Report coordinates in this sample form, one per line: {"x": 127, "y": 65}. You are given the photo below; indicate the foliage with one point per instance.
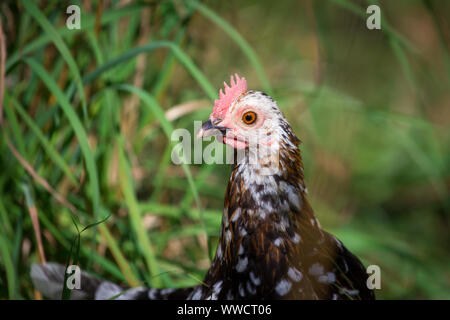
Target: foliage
{"x": 88, "y": 114}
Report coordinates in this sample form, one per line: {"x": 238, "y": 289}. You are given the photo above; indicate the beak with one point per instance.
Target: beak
{"x": 208, "y": 129}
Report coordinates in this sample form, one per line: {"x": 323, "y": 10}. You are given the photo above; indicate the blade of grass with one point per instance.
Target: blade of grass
{"x": 78, "y": 129}
{"x": 6, "y": 223}
{"x": 136, "y": 215}
{"x": 14, "y": 126}
{"x": 182, "y": 57}
{"x": 44, "y": 183}
{"x": 17, "y": 245}
{"x": 63, "y": 49}
{"x": 151, "y": 103}
{"x": 2, "y": 68}
{"x": 56, "y": 157}
{"x": 34, "y": 220}
{"x": 105, "y": 263}
{"x": 212, "y": 217}
{"x": 166, "y": 72}
{"x": 120, "y": 259}
{"x": 161, "y": 174}
{"x": 88, "y": 23}
{"x": 168, "y": 129}
{"x": 9, "y": 267}
{"x": 238, "y": 39}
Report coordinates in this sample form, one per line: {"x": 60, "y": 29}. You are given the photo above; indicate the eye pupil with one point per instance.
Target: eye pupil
{"x": 249, "y": 117}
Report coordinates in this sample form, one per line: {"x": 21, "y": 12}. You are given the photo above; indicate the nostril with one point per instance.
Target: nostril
{"x": 216, "y": 121}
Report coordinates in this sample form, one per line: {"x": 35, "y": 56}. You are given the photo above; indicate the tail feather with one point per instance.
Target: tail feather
{"x": 49, "y": 278}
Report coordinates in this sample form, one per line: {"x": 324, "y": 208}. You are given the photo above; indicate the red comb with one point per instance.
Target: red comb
{"x": 236, "y": 88}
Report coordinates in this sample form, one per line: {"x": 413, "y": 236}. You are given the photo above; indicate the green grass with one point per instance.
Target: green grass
{"x": 85, "y": 133}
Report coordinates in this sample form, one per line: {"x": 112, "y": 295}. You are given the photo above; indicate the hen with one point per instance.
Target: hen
{"x": 271, "y": 245}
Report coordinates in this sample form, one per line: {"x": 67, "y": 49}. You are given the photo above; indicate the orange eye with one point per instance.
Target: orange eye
{"x": 249, "y": 117}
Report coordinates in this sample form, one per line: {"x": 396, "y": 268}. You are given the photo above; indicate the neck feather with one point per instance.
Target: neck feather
{"x": 267, "y": 198}
{"x": 262, "y": 228}
{"x": 270, "y": 180}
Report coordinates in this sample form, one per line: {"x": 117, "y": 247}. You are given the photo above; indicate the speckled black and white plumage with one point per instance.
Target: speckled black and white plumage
{"x": 271, "y": 245}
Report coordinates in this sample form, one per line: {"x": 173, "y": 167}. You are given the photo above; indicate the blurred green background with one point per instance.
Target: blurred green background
{"x": 87, "y": 113}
